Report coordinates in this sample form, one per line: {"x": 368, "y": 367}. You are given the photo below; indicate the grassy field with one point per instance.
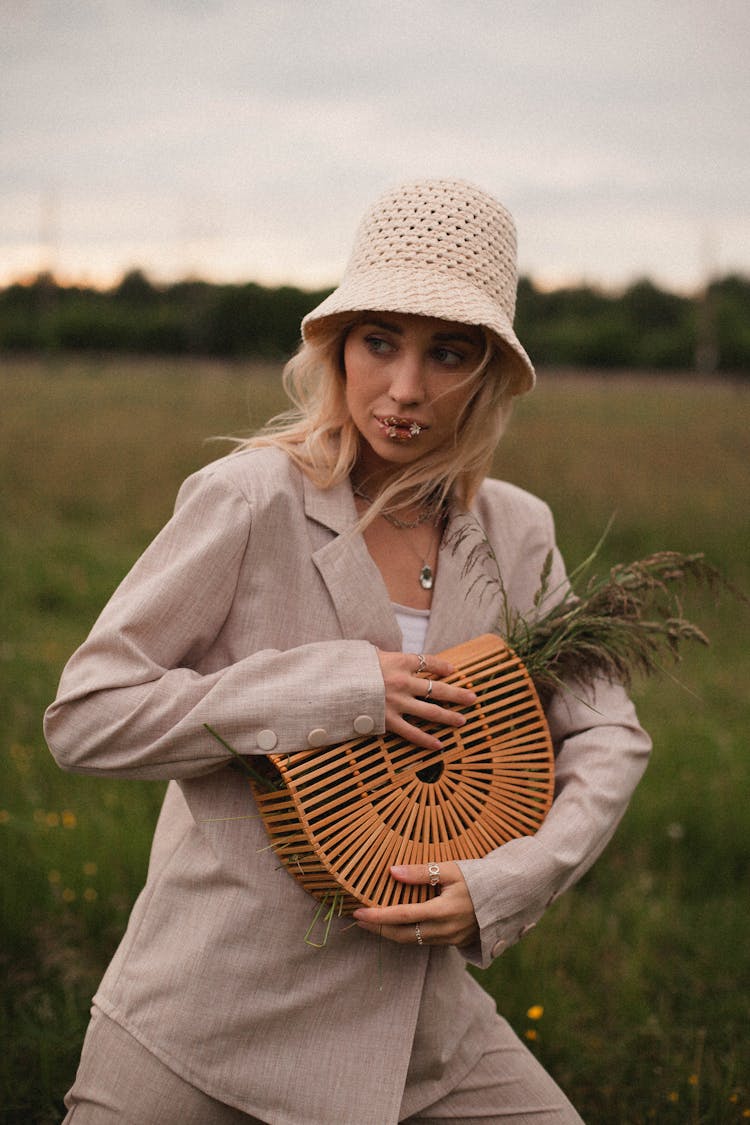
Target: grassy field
{"x": 634, "y": 989}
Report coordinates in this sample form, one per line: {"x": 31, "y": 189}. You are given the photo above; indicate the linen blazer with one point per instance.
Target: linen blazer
{"x": 258, "y": 610}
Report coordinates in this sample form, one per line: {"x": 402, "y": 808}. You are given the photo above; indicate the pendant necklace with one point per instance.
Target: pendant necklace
{"x": 426, "y": 573}
{"x": 425, "y": 576}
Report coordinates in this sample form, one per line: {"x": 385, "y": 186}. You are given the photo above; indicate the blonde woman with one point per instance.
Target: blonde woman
{"x": 297, "y": 599}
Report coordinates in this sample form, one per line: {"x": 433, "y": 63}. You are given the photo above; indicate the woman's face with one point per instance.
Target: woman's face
{"x": 407, "y": 382}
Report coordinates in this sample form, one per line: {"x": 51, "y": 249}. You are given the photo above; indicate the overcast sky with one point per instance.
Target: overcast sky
{"x": 241, "y": 139}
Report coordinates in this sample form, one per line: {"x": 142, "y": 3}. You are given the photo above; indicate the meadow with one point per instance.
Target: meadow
{"x": 634, "y": 988}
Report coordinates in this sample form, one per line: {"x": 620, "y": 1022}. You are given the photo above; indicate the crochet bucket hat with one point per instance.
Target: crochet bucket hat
{"x": 437, "y": 248}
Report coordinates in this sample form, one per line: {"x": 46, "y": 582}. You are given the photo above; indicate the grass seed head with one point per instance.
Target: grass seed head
{"x": 615, "y": 626}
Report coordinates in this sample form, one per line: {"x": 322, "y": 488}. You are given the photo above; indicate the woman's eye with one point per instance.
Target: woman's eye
{"x": 448, "y": 357}
{"x": 378, "y": 345}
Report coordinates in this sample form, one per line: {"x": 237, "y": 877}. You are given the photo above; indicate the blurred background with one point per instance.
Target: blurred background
{"x": 180, "y": 184}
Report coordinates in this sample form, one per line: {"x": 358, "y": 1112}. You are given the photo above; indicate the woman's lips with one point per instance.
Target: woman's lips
{"x": 400, "y": 429}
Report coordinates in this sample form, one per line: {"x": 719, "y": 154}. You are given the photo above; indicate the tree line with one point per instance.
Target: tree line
{"x": 642, "y": 327}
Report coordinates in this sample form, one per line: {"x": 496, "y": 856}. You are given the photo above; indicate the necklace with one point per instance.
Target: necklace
{"x": 403, "y": 525}
{"x": 426, "y": 572}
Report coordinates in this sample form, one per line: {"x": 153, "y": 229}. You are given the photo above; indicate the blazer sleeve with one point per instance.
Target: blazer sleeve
{"x": 601, "y": 752}
{"x": 131, "y": 702}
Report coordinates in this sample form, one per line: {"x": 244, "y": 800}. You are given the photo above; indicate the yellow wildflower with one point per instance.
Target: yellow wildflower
{"x": 68, "y": 895}
{"x": 69, "y": 819}
{"x": 535, "y": 1012}
{"x": 531, "y": 1033}
{"x": 54, "y": 877}
{"x": 90, "y": 894}
{"x": 90, "y": 868}
{"x": 21, "y": 756}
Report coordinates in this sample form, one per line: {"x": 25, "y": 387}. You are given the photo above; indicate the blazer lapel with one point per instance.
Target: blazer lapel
{"x": 465, "y": 599}
{"x": 353, "y": 581}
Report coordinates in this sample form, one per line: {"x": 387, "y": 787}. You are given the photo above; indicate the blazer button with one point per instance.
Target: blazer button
{"x": 266, "y": 739}
{"x": 526, "y": 929}
{"x": 364, "y": 724}
{"x": 317, "y": 737}
{"x": 498, "y": 948}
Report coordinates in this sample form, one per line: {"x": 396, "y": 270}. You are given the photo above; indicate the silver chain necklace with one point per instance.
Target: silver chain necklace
{"x": 426, "y": 573}
{"x": 403, "y": 525}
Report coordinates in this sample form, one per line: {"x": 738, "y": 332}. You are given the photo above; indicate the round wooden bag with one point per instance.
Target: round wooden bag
{"x": 342, "y": 815}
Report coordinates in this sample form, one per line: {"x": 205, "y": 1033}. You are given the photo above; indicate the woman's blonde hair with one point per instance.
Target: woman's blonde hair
{"x": 320, "y": 437}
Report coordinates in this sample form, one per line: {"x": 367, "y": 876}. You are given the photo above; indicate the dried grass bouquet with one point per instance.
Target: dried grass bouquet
{"x": 618, "y": 625}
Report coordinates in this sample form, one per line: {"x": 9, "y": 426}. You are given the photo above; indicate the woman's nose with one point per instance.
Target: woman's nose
{"x": 407, "y": 382}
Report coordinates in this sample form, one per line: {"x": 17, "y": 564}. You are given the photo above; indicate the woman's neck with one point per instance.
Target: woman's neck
{"x": 369, "y": 483}
{"x": 405, "y": 552}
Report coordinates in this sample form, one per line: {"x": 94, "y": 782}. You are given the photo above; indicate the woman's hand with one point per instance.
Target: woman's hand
{"x": 446, "y": 919}
{"x": 424, "y": 696}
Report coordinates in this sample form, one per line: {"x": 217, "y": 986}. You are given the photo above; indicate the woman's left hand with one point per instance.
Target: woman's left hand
{"x": 446, "y": 919}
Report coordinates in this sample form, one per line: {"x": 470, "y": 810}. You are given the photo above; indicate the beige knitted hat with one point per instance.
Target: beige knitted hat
{"x": 438, "y": 248}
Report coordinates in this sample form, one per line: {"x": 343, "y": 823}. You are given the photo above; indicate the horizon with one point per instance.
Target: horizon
{"x": 163, "y": 284}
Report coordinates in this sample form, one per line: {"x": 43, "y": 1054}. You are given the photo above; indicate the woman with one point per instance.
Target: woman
{"x": 301, "y": 586}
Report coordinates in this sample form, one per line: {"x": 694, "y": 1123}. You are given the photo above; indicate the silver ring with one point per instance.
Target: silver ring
{"x": 428, "y": 693}
{"x": 433, "y": 870}
{"x": 422, "y": 663}
{"x": 418, "y": 932}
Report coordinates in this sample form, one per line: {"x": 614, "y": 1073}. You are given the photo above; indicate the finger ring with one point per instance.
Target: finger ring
{"x": 428, "y": 693}
{"x": 418, "y": 932}
{"x": 422, "y": 663}
{"x": 433, "y": 870}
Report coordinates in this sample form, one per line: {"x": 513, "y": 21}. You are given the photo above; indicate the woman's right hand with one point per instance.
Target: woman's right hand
{"x": 409, "y": 694}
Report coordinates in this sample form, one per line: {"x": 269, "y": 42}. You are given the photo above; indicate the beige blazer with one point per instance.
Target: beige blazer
{"x": 257, "y": 610}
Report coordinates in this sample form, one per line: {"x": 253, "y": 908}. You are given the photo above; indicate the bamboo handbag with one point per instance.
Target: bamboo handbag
{"x": 339, "y": 817}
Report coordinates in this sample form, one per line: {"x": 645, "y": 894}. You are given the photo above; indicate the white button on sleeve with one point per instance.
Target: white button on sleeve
{"x": 364, "y": 724}
{"x": 266, "y": 739}
{"x": 317, "y": 737}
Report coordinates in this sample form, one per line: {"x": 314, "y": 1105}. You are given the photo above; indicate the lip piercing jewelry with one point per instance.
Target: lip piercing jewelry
{"x": 393, "y": 425}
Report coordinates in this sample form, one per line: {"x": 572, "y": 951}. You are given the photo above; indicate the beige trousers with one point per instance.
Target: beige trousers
{"x": 119, "y": 1082}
